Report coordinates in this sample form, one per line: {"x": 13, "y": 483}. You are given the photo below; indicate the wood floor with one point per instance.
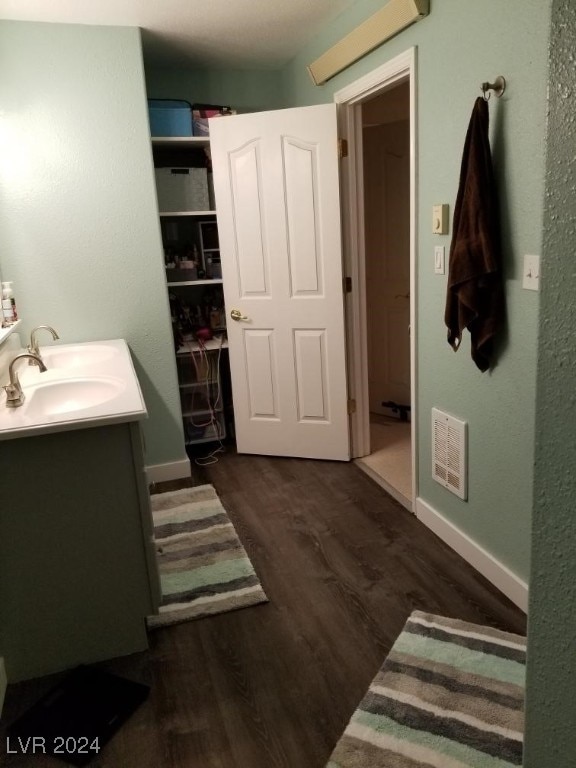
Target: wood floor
{"x": 274, "y": 686}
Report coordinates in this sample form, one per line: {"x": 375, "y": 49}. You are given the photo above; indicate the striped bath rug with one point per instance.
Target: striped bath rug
{"x": 449, "y": 695}
{"x": 204, "y": 569}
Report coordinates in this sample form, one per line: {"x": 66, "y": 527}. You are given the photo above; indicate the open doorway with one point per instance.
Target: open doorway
{"x": 377, "y": 117}
{"x": 385, "y": 120}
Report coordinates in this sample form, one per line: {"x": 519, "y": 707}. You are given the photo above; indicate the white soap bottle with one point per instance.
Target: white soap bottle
{"x": 9, "y": 313}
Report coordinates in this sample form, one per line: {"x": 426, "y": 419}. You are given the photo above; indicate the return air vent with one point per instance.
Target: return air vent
{"x": 449, "y": 464}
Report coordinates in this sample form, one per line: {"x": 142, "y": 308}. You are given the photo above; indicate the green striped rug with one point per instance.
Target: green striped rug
{"x": 449, "y": 695}
{"x": 204, "y": 569}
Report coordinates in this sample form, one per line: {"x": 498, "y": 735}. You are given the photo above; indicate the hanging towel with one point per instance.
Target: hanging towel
{"x": 475, "y": 297}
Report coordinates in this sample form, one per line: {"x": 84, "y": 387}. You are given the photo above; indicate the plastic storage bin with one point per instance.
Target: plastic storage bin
{"x": 169, "y": 117}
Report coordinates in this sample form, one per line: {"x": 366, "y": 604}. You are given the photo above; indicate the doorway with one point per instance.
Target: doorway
{"x": 377, "y": 118}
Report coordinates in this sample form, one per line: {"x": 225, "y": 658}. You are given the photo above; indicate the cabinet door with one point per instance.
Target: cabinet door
{"x": 146, "y": 515}
{"x": 277, "y": 197}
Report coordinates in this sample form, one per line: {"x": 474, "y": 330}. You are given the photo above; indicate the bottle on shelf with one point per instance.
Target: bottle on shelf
{"x": 9, "y": 312}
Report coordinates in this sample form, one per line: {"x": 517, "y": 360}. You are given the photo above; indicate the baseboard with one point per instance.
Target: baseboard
{"x": 3, "y": 684}
{"x": 174, "y": 470}
{"x": 492, "y": 569}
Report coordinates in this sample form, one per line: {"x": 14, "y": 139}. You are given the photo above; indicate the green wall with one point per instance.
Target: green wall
{"x": 244, "y": 90}
{"x": 551, "y": 692}
{"x": 79, "y": 231}
{"x": 461, "y": 44}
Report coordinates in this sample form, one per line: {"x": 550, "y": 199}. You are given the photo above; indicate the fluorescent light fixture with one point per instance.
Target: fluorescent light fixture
{"x": 384, "y": 24}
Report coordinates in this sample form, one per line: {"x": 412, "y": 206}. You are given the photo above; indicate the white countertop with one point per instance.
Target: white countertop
{"x": 111, "y": 367}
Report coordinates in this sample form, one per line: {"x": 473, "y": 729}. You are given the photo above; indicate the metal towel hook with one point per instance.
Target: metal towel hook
{"x": 498, "y": 86}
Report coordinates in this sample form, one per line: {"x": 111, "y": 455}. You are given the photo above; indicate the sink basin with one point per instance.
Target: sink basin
{"x": 76, "y": 356}
{"x": 71, "y": 395}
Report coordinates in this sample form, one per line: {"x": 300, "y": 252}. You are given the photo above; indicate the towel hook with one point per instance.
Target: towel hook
{"x": 498, "y": 86}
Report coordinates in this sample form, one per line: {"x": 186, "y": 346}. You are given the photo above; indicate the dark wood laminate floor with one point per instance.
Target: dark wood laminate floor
{"x": 273, "y": 686}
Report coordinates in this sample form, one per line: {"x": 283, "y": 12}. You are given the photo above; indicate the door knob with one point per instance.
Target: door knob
{"x": 235, "y": 314}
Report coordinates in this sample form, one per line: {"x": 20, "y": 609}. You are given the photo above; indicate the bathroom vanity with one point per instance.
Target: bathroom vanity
{"x": 78, "y": 572}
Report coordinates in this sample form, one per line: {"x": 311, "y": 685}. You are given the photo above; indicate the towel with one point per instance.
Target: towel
{"x": 475, "y": 296}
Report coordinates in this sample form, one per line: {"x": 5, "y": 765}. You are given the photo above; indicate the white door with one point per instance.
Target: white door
{"x": 387, "y": 239}
{"x": 277, "y": 197}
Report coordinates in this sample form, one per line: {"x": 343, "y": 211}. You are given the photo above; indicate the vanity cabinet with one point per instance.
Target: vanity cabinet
{"x": 195, "y": 290}
{"x": 78, "y": 573}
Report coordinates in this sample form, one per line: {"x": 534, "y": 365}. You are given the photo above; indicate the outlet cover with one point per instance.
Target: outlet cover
{"x": 531, "y": 274}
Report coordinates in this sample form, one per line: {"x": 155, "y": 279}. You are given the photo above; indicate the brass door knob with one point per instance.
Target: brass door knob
{"x": 235, "y": 314}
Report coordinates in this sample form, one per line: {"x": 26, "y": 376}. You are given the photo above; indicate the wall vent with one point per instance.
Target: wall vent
{"x": 449, "y": 459}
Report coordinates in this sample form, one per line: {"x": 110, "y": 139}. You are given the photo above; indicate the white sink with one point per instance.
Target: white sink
{"x": 85, "y": 385}
{"x": 71, "y": 395}
{"x": 77, "y": 355}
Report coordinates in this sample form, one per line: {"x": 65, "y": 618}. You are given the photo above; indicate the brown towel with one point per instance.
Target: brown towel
{"x": 475, "y": 298}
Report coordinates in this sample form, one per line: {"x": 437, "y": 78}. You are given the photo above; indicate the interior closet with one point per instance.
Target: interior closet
{"x": 386, "y": 172}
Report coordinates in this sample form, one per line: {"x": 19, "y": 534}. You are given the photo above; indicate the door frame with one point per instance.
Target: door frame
{"x": 349, "y": 100}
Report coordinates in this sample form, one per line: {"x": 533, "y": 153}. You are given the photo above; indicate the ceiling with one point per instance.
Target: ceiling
{"x": 240, "y": 34}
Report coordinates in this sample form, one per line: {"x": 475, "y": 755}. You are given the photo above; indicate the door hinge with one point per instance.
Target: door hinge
{"x": 342, "y": 148}
{"x": 351, "y": 405}
{"x": 347, "y": 281}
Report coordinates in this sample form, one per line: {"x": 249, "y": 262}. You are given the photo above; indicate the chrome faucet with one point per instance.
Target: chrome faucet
{"x": 33, "y": 346}
{"x": 14, "y": 394}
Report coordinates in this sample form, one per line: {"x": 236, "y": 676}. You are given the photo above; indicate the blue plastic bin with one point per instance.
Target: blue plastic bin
{"x": 170, "y": 117}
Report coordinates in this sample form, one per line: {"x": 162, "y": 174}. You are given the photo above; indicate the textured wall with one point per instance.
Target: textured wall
{"x": 79, "y": 232}
{"x": 461, "y": 44}
{"x": 551, "y": 697}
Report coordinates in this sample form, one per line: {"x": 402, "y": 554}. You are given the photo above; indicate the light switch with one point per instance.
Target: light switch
{"x": 440, "y": 219}
{"x": 439, "y": 256}
{"x": 531, "y": 275}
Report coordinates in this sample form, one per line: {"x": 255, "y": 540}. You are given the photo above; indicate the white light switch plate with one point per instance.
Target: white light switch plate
{"x": 531, "y": 274}
{"x": 439, "y": 259}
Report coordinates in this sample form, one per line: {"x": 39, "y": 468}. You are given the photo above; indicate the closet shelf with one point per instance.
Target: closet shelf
{"x": 187, "y": 213}
{"x": 176, "y": 283}
{"x": 193, "y": 346}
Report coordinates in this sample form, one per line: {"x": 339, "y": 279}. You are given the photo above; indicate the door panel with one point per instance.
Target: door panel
{"x": 277, "y": 197}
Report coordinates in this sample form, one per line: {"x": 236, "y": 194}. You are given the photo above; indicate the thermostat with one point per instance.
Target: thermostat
{"x": 440, "y": 219}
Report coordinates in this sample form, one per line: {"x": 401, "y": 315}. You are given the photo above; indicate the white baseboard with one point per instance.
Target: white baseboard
{"x": 174, "y": 470}
{"x": 502, "y": 577}
{"x": 3, "y": 684}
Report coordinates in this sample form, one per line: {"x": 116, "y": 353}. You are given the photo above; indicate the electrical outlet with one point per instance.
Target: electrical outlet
{"x": 531, "y": 274}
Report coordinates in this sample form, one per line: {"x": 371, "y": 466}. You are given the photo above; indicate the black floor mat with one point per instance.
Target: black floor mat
{"x": 74, "y": 720}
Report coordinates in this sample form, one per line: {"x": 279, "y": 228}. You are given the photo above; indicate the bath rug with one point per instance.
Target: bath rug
{"x": 204, "y": 569}
{"x": 449, "y": 695}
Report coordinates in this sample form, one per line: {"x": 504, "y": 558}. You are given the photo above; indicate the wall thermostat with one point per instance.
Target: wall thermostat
{"x": 440, "y": 219}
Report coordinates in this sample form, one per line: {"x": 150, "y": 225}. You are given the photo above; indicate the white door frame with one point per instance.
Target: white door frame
{"x": 349, "y": 99}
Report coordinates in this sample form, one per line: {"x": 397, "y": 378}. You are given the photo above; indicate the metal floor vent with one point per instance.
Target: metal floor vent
{"x": 449, "y": 459}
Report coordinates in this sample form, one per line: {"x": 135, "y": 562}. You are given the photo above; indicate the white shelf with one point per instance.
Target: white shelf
{"x": 197, "y": 384}
{"x": 187, "y": 213}
{"x": 202, "y": 412}
{"x": 190, "y": 142}
{"x": 5, "y": 332}
{"x": 193, "y": 346}
{"x": 175, "y": 283}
